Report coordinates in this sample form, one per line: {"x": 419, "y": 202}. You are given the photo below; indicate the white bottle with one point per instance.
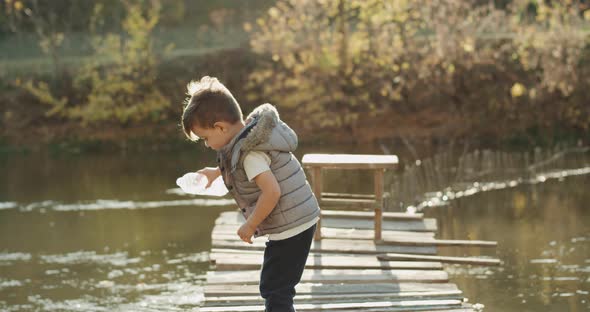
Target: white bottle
{"x": 195, "y": 183}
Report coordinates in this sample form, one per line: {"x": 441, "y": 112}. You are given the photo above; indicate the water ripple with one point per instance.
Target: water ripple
{"x": 102, "y": 204}
{"x": 8, "y": 205}
{"x": 442, "y": 198}
{"x": 14, "y": 256}
{"x": 116, "y": 259}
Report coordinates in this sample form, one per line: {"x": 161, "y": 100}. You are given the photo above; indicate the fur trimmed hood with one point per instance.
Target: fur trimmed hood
{"x": 264, "y": 131}
{"x": 269, "y": 133}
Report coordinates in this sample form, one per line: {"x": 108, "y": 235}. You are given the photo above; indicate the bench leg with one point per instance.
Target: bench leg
{"x": 378, "y": 203}
{"x": 317, "y": 190}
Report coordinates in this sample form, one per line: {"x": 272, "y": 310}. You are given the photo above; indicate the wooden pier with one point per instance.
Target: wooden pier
{"x": 362, "y": 259}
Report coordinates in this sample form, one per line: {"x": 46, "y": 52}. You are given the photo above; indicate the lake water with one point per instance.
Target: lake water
{"x": 111, "y": 231}
{"x": 543, "y": 235}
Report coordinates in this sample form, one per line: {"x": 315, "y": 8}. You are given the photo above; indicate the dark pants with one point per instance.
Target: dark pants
{"x": 284, "y": 261}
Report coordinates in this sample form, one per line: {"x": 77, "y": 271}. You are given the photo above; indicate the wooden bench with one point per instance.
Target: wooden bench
{"x": 316, "y": 163}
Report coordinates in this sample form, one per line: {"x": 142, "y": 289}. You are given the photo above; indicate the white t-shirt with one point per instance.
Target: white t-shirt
{"x": 255, "y": 163}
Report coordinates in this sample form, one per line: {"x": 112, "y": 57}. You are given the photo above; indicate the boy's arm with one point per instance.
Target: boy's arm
{"x": 269, "y": 197}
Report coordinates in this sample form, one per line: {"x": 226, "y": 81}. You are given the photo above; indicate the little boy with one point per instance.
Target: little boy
{"x": 268, "y": 183}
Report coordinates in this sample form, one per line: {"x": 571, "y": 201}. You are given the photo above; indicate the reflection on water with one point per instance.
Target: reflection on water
{"x": 543, "y": 234}
{"x": 112, "y": 232}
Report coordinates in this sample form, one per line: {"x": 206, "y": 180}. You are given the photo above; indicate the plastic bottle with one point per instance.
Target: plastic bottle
{"x": 195, "y": 183}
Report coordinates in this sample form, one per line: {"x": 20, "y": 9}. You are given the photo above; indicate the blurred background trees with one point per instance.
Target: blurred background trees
{"x": 118, "y": 82}
{"x": 492, "y": 71}
{"x": 481, "y": 65}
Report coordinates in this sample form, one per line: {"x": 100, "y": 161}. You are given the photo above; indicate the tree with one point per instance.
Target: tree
{"x": 338, "y": 62}
{"x": 359, "y": 57}
{"x": 119, "y": 81}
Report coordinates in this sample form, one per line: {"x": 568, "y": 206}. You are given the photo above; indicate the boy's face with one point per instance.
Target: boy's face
{"x": 214, "y": 138}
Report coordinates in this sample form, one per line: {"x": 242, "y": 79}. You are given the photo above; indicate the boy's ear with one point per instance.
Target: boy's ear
{"x": 221, "y": 125}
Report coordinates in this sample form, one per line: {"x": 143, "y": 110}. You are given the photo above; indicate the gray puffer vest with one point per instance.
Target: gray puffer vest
{"x": 267, "y": 133}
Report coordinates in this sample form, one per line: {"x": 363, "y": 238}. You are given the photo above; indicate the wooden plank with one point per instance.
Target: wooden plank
{"x": 331, "y": 289}
{"x": 224, "y": 229}
{"x": 406, "y": 305}
{"x": 333, "y": 246}
{"x": 319, "y": 298}
{"x": 439, "y": 308}
{"x": 348, "y": 203}
{"x": 348, "y": 195}
{"x": 368, "y": 234}
{"x": 259, "y": 252}
{"x": 424, "y": 225}
{"x": 349, "y": 161}
{"x": 370, "y": 214}
{"x": 401, "y": 241}
{"x": 230, "y": 217}
{"x": 457, "y": 310}
{"x": 229, "y": 261}
{"x": 460, "y": 260}
{"x": 335, "y": 276}
{"x": 413, "y": 309}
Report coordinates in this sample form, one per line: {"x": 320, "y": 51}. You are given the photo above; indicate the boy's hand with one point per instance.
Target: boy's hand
{"x": 211, "y": 174}
{"x": 246, "y": 231}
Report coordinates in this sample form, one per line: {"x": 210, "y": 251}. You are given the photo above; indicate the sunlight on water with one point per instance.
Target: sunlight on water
{"x": 444, "y": 197}
{"x": 105, "y": 280}
{"x": 8, "y": 205}
{"x": 102, "y": 204}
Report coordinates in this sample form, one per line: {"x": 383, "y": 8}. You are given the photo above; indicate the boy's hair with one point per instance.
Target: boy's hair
{"x": 209, "y": 101}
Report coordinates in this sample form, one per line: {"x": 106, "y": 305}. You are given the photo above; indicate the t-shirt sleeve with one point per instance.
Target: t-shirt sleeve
{"x": 255, "y": 163}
